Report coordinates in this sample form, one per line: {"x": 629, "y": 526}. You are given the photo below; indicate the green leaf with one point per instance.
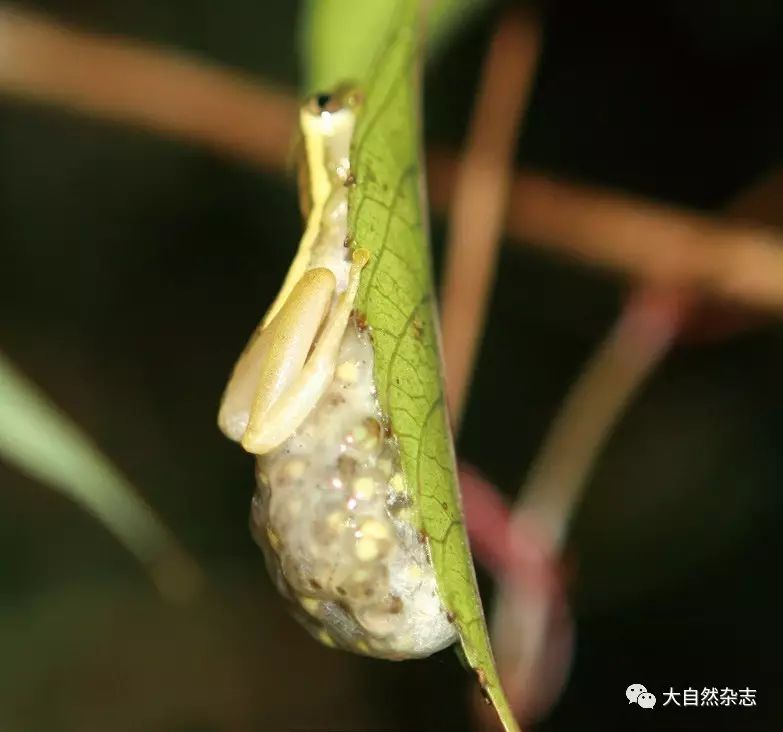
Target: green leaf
{"x": 44, "y": 443}
{"x": 387, "y": 216}
{"x": 339, "y": 38}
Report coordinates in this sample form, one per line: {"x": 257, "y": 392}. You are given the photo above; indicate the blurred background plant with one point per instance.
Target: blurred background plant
{"x": 135, "y": 264}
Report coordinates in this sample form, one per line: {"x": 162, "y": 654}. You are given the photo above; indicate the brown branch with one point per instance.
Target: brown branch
{"x": 181, "y": 97}
{"x": 660, "y": 244}
{"x": 478, "y": 205}
{"x": 146, "y": 87}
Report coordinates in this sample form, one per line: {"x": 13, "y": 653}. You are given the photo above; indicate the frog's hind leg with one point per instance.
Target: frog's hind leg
{"x": 276, "y": 353}
{"x": 271, "y": 424}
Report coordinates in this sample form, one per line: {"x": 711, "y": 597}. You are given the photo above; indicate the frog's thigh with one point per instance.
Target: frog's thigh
{"x": 283, "y": 417}
{"x": 276, "y": 354}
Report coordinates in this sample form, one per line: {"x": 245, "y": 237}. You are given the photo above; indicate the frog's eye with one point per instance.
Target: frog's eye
{"x": 324, "y": 103}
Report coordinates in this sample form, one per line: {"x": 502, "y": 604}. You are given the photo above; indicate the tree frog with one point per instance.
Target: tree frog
{"x": 332, "y": 511}
{"x": 290, "y": 359}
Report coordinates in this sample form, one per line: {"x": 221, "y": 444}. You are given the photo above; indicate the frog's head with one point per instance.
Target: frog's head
{"x": 326, "y": 123}
{"x": 345, "y": 97}
{"x": 330, "y": 114}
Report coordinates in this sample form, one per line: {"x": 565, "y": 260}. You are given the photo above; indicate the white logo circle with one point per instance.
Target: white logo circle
{"x": 646, "y": 700}
{"x": 633, "y": 691}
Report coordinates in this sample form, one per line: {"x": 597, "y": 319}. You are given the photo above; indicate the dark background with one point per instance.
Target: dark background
{"x": 133, "y": 268}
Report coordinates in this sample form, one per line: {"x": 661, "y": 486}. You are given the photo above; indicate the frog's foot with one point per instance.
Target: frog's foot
{"x": 282, "y": 404}
{"x": 276, "y": 352}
